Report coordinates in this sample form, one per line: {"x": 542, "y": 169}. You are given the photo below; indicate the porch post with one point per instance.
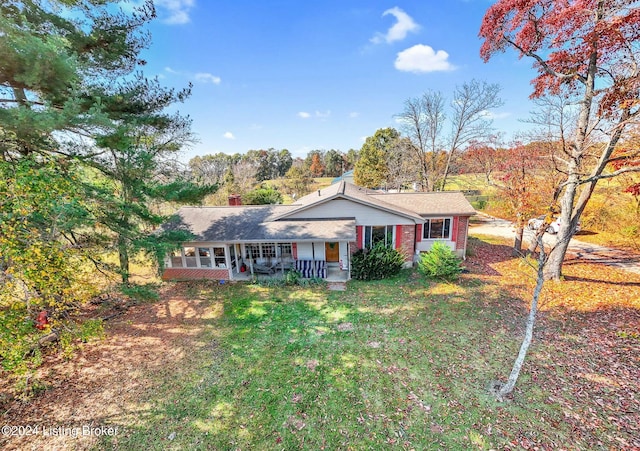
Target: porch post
{"x": 250, "y": 260}
{"x": 348, "y": 260}
{"x": 313, "y": 259}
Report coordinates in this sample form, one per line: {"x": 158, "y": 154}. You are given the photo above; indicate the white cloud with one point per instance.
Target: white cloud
{"x": 177, "y": 11}
{"x": 203, "y": 77}
{"x": 422, "y": 58}
{"x": 399, "y": 30}
{"x": 229, "y": 135}
{"x": 495, "y": 115}
{"x": 354, "y": 114}
{"x": 318, "y": 114}
{"x": 207, "y": 78}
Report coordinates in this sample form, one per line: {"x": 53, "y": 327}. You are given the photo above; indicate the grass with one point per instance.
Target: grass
{"x": 397, "y": 363}
{"x": 307, "y": 368}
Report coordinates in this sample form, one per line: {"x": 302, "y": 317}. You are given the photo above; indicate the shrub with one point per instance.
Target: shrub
{"x": 376, "y": 263}
{"x": 440, "y": 262}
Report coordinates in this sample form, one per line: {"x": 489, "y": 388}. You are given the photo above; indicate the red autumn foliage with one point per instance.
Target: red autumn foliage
{"x": 570, "y": 35}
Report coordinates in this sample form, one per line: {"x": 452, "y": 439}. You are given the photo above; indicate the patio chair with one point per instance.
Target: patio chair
{"x": 264, "y": 269}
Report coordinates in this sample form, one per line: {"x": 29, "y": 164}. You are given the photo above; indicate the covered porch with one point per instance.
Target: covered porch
{"x": 329, "y": 260}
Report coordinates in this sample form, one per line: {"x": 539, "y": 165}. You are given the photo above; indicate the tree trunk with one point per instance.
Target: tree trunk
{"x": 508, "y": 387}
{"x": 517, "y": 245}
{"x": 123, "y": 254}
{"x": 553, "y": 269}
{"x": 446, "y": 170}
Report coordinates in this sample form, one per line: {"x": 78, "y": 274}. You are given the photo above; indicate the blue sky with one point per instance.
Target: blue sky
{"x": 320, "y": 75}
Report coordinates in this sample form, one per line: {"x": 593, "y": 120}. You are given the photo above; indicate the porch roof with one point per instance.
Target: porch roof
{"x": 254, "y": 223}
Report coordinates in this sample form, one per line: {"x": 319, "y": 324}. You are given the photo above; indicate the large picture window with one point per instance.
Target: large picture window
{"x": 437, "y": 229}
{"x": 376, "y": 234}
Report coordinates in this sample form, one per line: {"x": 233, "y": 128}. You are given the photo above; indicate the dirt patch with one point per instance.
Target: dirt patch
{"x": 107, "y": 383}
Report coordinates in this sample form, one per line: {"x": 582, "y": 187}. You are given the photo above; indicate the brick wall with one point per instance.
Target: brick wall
{"x": 195, "y": 274}
{"x": 461, "y": 237}
{"x": 405, "y": 240}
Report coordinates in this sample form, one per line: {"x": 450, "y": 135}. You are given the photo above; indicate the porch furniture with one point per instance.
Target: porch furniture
{"x": 264, "y": 269}
{"x": 312, "y": 268}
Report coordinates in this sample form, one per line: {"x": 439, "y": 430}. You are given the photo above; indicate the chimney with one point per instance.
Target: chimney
{"x": 235, "y": 200}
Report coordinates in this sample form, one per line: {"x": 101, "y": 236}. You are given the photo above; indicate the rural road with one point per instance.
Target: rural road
{"x": 484, "y": 224}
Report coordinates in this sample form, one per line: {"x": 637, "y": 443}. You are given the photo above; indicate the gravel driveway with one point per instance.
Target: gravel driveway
{"x": 484, "y": 224}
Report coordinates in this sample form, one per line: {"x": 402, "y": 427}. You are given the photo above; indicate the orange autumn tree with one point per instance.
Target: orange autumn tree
{"x": 316, "y": 168}
{"x": 586, "y": 52}
{"x": 522, "y": 185}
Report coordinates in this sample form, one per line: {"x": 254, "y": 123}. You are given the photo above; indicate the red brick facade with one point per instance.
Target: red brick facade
{"x": 195, "y": 274}
{"x": 405, "y": 240}
{"x": 461, "y": 233}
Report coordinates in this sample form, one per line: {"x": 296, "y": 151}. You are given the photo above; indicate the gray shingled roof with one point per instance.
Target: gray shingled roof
{"x": 253, "y": 223}
{"x": 430, "y": 204}
{"x": 269, "y": 222}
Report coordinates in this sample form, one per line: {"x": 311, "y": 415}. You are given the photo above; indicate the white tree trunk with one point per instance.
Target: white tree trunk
{"x": 508, "y": 387}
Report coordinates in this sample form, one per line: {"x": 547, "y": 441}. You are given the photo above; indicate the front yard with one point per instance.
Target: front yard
{"x": 392, "y": 364}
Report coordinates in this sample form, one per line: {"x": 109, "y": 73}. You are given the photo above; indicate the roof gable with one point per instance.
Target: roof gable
{"x": 409, "y": 205}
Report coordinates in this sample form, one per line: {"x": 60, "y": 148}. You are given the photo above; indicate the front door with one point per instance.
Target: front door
{"x": 332, "y": 252}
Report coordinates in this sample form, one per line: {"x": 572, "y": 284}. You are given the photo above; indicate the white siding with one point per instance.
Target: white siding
{"x": 307, "y": 252}
{"x": 344, "y": 254}
{"x": 342, "y": 208}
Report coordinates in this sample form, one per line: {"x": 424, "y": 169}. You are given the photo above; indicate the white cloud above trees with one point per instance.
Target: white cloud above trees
{"x": 207, "y": 78}
{"x": 201, "y": 77}
{"x": 422, "y": 58}
{"x": 399, "y": 30}
{"x": 318, "y": 114}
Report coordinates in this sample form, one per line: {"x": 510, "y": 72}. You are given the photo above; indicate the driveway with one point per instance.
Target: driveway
{"x": 484, "y": 224}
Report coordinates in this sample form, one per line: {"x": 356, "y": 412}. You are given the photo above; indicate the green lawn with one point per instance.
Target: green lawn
{"x": 404, "y": 364}
{"x": 400, "y": 363}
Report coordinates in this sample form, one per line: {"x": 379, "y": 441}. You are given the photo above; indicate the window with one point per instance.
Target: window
{"x": 205, "y": 257}
{"x": 190, "y": 257}
{"x": 176, "y": 259}
{"x": 268, "y": 250}
{"x": 219, "y": 257}
{"x": 376, "y": 234}
{"x": 252, "y": 251}
{"x": 285, "y": 249}
{"x": 437, "y": 229}
{"x": 264, "y": 251}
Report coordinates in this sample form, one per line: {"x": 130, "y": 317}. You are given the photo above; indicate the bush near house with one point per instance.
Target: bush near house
{"x": 440, "y": 263}
{"x": 379, "y": 262}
